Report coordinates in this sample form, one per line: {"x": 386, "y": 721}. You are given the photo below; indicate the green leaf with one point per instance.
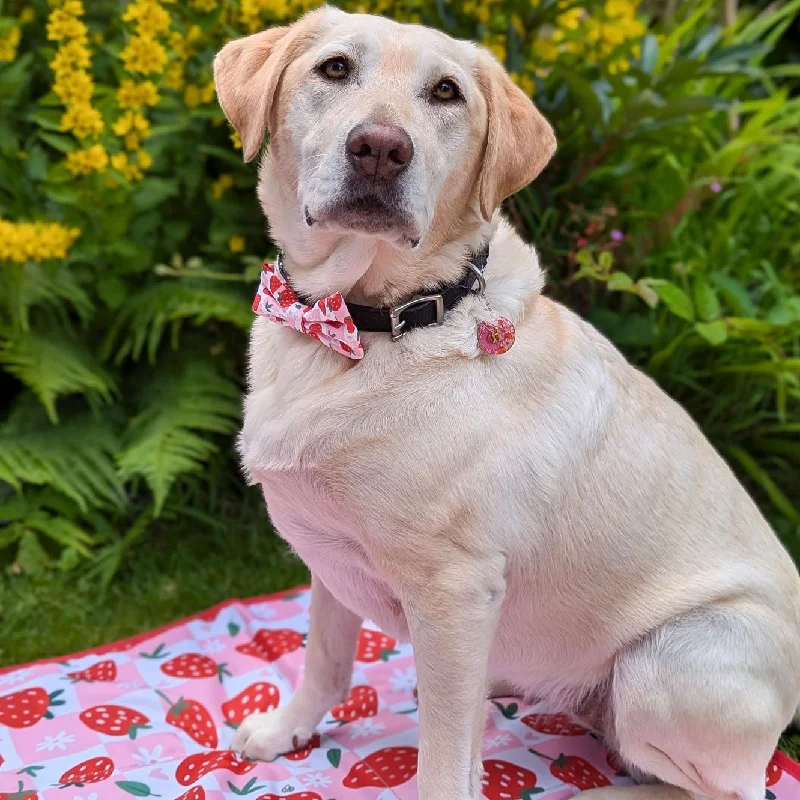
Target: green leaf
{"x": 735, "y": 294}
{"x": 170, "y": 436}
{"x": 334, "y": 757}
{"x": 675, "y": 299}
{"x": 705, "y": 299}
{"x": 153, "y": 192}
{"x": 53, "y": 365}
{"x": 584, "y": 96}
{"x": 64, "y": 144}
{"x": 74, "y": 457}
{"x": 31, "y": 556}
{"x": 135, "y": 788}
{"x": 763, "y": 479}
{"x": 233, "y": 629}
{"x": 713, "y": 332}
{"x": 112, "y": 290}
{"x": 620, "y": 282}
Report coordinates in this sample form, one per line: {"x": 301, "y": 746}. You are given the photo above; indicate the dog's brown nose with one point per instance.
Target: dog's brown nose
{"x": 378, "y": 150}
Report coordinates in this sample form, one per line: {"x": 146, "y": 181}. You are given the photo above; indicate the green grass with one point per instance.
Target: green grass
{"x": 180, "y": 569}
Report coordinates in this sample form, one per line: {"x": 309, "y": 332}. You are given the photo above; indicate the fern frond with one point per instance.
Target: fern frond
{"x": 170, "y": 437}
{"x": 75, "y": 457}
{"x": 53, "y": 365}
{"x": 50, "y": 286}
{"x": 143, "y": 319}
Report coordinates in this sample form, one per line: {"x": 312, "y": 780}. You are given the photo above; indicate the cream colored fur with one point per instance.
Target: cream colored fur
{"x": 549, "y": 518}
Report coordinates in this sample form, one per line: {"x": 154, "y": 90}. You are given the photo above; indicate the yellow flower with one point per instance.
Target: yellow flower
{"x": 132, "y": 122}
{"x": 545, "y": 50}
{"x": 27, "y": 15}
{"x": 207, "y": 93}
{"x": 9, "y": 44}
{"x": 63, "y": 23}
{"x": 73, "y": 55}
{"x": 498, "y": 47}
{"x": 84, "y": 162}
{"x": 525, "y": 82}
{"x": 132, "y": 140}
{"x": 35, "y": 241}
{"x": 221, "y": 185}
{"x": 135, "y": 95}
{"x": 191, "y": 95}
{"x": 144, "y": 159}
{"x": 570, "y": 20}
{"x": 174, "y": 78}
{"x": 82, "y": 120}
{"x": 236, "y": 244}
{"x": 236, "y": 139}
{"x": 73, "y": 87}
{"x": 128, "y": 169}
{"x": 204, "y": 5}
{"x": 150, "y": 18}
{"x": 144, "y": 54}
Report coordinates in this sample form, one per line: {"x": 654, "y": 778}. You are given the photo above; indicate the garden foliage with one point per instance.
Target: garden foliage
{"x": 130, "y": 240}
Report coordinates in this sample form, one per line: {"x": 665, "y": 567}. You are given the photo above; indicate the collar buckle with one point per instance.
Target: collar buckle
{"x": 398, "y": 325}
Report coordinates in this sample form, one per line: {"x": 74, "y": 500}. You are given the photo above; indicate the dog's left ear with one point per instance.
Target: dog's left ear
{"x": 247, "y": 73}
{"x": 519, "y": 140}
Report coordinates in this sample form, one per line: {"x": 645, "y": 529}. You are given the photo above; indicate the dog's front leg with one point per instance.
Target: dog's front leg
{"x": 452, "y": 614}
{"x": 332, "y": 638}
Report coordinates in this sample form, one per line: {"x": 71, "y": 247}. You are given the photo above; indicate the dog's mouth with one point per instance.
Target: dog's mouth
{"x": 368, "y": 213}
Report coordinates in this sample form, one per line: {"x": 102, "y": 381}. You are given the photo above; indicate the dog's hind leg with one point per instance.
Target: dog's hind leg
{"x": 700, "y": 702}
{"x": 330, "y": 653}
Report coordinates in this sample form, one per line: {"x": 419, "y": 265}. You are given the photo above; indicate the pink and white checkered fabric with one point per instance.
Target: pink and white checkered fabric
{"x": 154, "y": 716}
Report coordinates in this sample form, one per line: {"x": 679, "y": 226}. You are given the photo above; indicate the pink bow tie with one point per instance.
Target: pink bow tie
{"x": 328, "y": 320}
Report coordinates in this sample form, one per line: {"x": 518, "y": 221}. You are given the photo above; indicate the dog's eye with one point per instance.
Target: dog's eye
{"x": 445, "y": 91}
{"x": 336, "y": 69}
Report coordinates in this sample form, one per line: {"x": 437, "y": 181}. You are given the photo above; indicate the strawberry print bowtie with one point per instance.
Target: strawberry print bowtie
{"x": 328, "y": 320}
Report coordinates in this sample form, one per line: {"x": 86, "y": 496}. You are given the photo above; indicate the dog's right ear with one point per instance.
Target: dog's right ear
{"x": 247, "y": 73}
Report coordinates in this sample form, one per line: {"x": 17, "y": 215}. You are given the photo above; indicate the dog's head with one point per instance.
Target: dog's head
{"x": 377, "y": 127}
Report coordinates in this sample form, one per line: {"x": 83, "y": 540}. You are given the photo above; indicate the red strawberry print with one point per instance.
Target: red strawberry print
{"x": 192, "y": 768}
{"x": 287, "y": 298}
{"x": 257, "y": 698}
{"x": 195, "y": 793}
{"x": 193, "y": 719}
{"x": 374, "y": 646}
{"x": 314, "y": 329}
{"x": 349, "y": 324}
{"x": 335, "y": 302}
{"x": 101, "y": 671}
{"x": 194, "y": 665}
{"x": 92, "y": 771}
{"x": 256, "y": 301}
{"x": 505, "y": 781}
{"x": 575, "y": 771}
{"x": 114, "y": 720}
{"x": 274, "y": 283}
{"x": 321, "y": 305}
{"x": 25, "y": 708}
{"x": 361, "y": 702}
{"x": 302, "y": 753}
{"x": 384, "y": 768}
{"x": 553, "y": 724}
{"x": 295, "y": 796}
{"x": 270, "y": 645}
{"x": 615, "y": 763}
{"x": 21, "y": 794}
{"x": 774, "y": 773}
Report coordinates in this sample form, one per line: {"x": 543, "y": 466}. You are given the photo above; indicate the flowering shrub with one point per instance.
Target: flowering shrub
{"x": 130, "y": 238}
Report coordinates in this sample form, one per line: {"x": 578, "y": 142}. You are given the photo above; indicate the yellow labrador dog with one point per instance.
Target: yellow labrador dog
{"x": 546, "y": 519}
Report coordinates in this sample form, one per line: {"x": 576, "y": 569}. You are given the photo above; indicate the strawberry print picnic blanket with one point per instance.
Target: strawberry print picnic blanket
{"x": 153, "y": 716}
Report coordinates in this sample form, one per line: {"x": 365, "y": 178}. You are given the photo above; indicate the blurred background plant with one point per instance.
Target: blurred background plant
{"x": 130, "y": 243}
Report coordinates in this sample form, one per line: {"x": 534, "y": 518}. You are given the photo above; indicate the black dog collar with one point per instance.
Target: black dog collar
{"x": 420, "y": 310}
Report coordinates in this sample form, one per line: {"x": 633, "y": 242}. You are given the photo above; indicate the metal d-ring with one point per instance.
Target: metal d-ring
{"x": 481, "y": 290}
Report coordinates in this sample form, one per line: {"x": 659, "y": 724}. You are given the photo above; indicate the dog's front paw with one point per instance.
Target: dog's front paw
{"x": 266, "y": 736}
